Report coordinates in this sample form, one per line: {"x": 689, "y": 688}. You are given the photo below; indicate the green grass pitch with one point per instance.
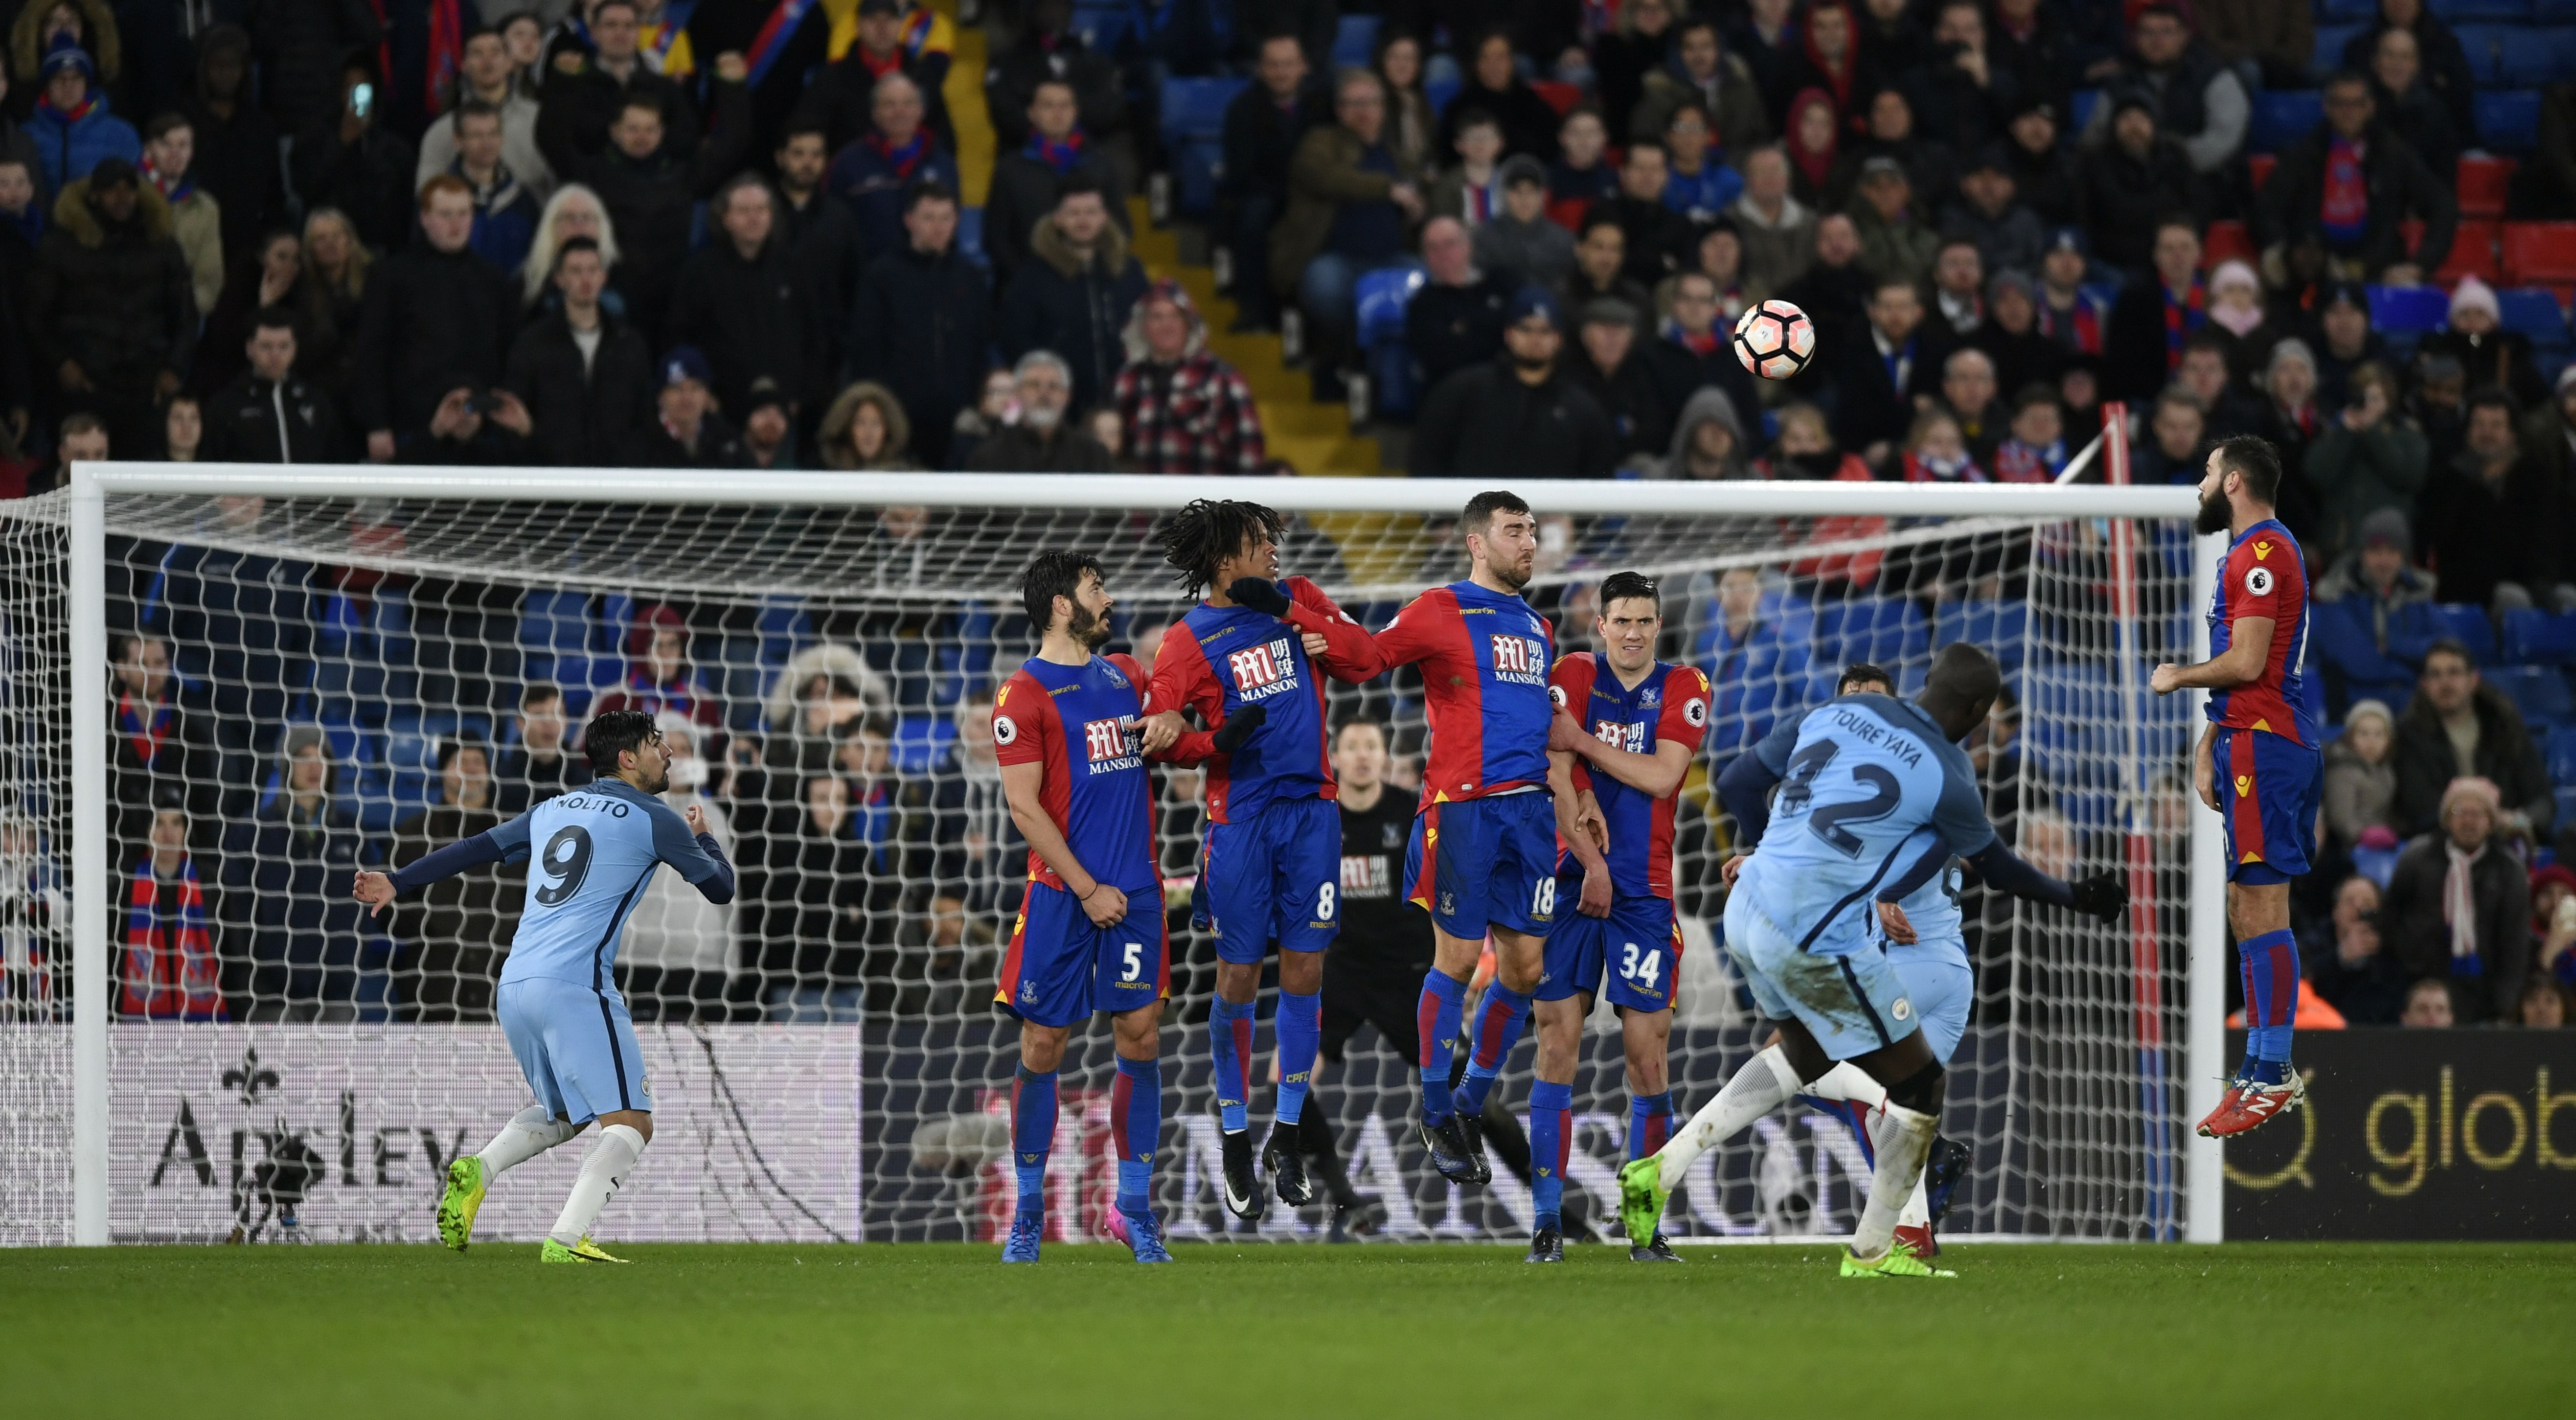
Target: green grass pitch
{"x": 2269, "y": 1331}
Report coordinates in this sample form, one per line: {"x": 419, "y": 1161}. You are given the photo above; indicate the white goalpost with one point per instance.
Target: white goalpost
{"x": 826, "y": 1055}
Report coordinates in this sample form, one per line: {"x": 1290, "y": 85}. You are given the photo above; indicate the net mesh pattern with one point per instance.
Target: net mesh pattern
{"x": 302, "y": 688}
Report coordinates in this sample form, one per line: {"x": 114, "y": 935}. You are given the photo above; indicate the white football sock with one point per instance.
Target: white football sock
{"x": 1764, "y": 1084}
{"x": 1903, "y": 1139}
{"x": 1918, "y": 1209}
{"x": 1850, "y": 1083}
{"x": 601, "y": 1173}
{"x": 529, "y": 1133}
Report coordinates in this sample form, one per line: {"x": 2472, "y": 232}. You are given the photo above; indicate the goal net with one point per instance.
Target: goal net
{"x": 224, "y": 692}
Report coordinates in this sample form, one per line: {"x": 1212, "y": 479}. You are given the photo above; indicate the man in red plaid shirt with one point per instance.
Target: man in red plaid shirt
{"x": 1182, "y": 409}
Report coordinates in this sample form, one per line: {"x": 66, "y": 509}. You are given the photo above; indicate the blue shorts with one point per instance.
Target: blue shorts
{"x": 1639, "y": 946}
{"x": 1060, "y": 968}
{"x": 1852, "y": 1002}
{"x": 2267, "y": 797}
{"x": 1942, "y": 987}
{"x": 575, "y": 1045}
{"x": 1275, "y": 879}
{"x": 1477, "y": 864}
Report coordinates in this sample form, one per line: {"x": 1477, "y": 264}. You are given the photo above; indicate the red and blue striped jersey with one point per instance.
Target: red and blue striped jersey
{"x": 1220, "y": 659}
{"x": 1079, "y": 722}
{"x": 1669, "y": 706}
{"x": 1484, "y": 658}
{"x": 2265, "y": 577}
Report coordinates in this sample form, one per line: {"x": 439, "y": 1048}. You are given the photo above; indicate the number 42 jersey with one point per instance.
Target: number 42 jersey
{"x": 590, "y": 853}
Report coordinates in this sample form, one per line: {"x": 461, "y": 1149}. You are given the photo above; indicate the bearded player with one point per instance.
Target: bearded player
{"x": 1482, "y": 858}
{"x": 1635, "y": 724}
{"x": 2257, "y": 763}
{"x": 1271, "y": 867}
{"x": 1090, "y": 936}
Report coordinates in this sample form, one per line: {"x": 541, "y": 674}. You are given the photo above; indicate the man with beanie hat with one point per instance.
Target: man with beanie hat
{"x": 1518, "y": 417}
{"x": 1520, "y": 240}
{"x": 2373, "y": 615}
{"x": 1611, "y": 369}
{"x": 2488, "y": 353}
{"x": 71, "y": 124}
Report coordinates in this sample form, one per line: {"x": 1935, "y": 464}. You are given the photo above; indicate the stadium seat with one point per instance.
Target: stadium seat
{"x": 2228, "y": 239}
{"x": 2347, "y": 11}
{"x": 2469, "y": 626}
{"x": 1195, "y": 108}
{"x": 2553, "y": 12}
{"x": 2540, "y": 692}
{"x": 1440, "y": 92}
{"x": 2080, "y": 107}
{"x": 2455, "y": 12}
{"x": 2482, "y": 184}
{"x": 2408, "y": 309}
{"x": 2284, "y": 116}
{"x": 2484, "y": 47}
{"x": 1999, "y": 626}
{"x": 1355, "y": 43}
{"x": 2539, "y": 253}
{"x": 1103, "y": 28}
{"x": 2562, "y": 758}
{"x": 1383, "y": 295}
{"x": 2508, "y": 119}
{"x": 970, "y": 234}
{"x": 2378, "y": 864}
{"x": 1884, "y": 630}
{"x": 2258, "y": 167}
{"x": 2534, "y": 59}
{"x": 2539, "y": 638}
{"x": 1196, "y": 166}
{"x": 1560, "y": 96}
{"x": 2473, "y": 252}
{"x": 2536, "y": 314}
{"x": 2331, "y": 40}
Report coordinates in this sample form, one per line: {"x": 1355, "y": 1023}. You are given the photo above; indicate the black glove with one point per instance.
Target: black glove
{"x": 1239, "y": 726}
{"x": 2103, "y": 895}
{"x": 1260, "y": 594}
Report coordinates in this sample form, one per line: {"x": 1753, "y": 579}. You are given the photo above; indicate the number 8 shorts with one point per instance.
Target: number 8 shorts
{"x": 1477, "y": 864}
{"x": 1275, "y": 879}
{"x": 1060, "y": 968}
{"x": 1638, "y": 946}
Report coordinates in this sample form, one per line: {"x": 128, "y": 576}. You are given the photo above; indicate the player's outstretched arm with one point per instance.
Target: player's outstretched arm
{"x": 505, "y": 843}
{"x": 1024, "y": 787}
{"x": 1350, "y": 654}
{"x": 2249, "y": 650}
{"x": 2104, "y": 895}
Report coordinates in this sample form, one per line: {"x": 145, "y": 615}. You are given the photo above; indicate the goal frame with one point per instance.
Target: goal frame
{"x": 2202, "y": 1175}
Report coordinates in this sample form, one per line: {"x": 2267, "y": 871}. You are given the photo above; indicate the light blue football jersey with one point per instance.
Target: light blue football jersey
{"x": 1933, "y": 909}
{"x": 590, "y": 853}
{"x": 1867, "y": 784}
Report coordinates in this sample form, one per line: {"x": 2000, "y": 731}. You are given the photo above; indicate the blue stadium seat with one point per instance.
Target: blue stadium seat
{"x": 2469, "y": 626}
{"x": 2508, "y": 119}
{"x": 2080, "y": 106}
{"x": 2485, "y": 47}
{"x": 1356, "y": 42}
{"x": 2408, "y": 309}
{"x": 2562, "y": 758}
{"x": 2348, "y": 11}
{"x": 1383, "y": 295}
{"x": 2453, "y": 12}
{"x": 2331, "y": 40}
{"x": 1999, "y": 626}
{"x": 1881, "y": 630}
{"x": 2284, "y": 116}
{"x": 970, "y": 234}
{"x": 2533, "y": 59}
{"x": 2539, "y": 691}
{"x": 1195, "y": 108}
{"x": 2553, "y": 12}
{"x": 1103, "y": 27}
{"x": 2539, "y": 638}
{"x": 2379, "y": 864}
{"x": 1196, "y": 167}
{"x": 1440, "y": 92}
{"x": 920, "y": 740}
{"x": 2534, "y": 312}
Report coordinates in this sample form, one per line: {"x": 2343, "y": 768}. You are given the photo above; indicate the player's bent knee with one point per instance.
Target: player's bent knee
{"x": 1921, "y": 1091}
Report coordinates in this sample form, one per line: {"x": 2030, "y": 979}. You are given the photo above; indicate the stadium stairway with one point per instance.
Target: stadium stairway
{"x": 964, "y": 93}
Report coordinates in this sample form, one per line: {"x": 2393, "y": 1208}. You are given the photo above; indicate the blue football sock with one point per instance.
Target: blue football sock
{"x": 2271, "y": 1004}
{"x": 1032, "y": 1135}
{"x": 1499, "y": 1022}
{"x": 1436, "y": 1015}
{"x": 1136, "y": 1126}
{"x": 1551, "y": 1134}
{"x": 1301, "y": 1029}
{"x": 1650, "y": 1123}
{"x": 1230, "y": 1041}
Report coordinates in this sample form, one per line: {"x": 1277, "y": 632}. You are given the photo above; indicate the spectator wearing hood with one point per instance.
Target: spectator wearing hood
{"x": 687, "y": 432}
{"x": 351, "y": 162}
{"x": 1701, "y": 71}
{"x": 2349, "y": 184}
{"x": 2488, "y": 353}
{"x": 585, "y": 372}
{"x": 769, "y": 427}
{"x": 435, "y": 314}
{"x": 2360, "y": 783}
{"x": 743, "y": 302}
{"x": 1180, "y": 408}
{"x": 1520, "y": 416}
{"x": 2371, "y": 615}
{"x": 196, "y": 220}
{"x": 1621, "y": 379}
{"x": 1708, "y": 441}
{"x": 1044, "y": 440}
{"x": 1456, "y": 319}
{"x": 2457, "y": 725}
{"x": 484, "y": 78}
{"x": 2459, "y": 906}
{"x": 865, "y": 428}
{"x": 921, "y": 323}
{"x": 1026, "y": 182}
{"x": 2193, "y": 94}
{"x": 2134, "y": 177}
{"x": 660, "y": 677}
{"x": 1073, "y": 297}
{"x": 1520, "y": 242}
{"x": 71, "y": 125}
{"x": 112, "y": 310}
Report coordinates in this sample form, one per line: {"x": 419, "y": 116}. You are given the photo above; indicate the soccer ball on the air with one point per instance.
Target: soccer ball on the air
{"x": 1774, "y": 339}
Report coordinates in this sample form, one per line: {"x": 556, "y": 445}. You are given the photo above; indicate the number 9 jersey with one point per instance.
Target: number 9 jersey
{"x": 590, "y": 854}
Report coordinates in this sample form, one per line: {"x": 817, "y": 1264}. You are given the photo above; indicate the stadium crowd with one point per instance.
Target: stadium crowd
{"x": 731, "y": 235}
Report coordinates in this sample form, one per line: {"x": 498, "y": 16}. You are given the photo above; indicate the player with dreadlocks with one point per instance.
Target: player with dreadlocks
{"x": 1271, "y": 867}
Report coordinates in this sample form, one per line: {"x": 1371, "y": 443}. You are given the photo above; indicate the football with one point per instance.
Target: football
{"x": 1774, "y": 339}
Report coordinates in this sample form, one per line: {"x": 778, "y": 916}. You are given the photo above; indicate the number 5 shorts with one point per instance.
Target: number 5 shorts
{"x": 1060, "y": 968}
{"x": 1852, "y": 1003}
{"x": 575, "y": 1045}
{"x": 1478, "y": 864}
{"x": 1638, "y": 947}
